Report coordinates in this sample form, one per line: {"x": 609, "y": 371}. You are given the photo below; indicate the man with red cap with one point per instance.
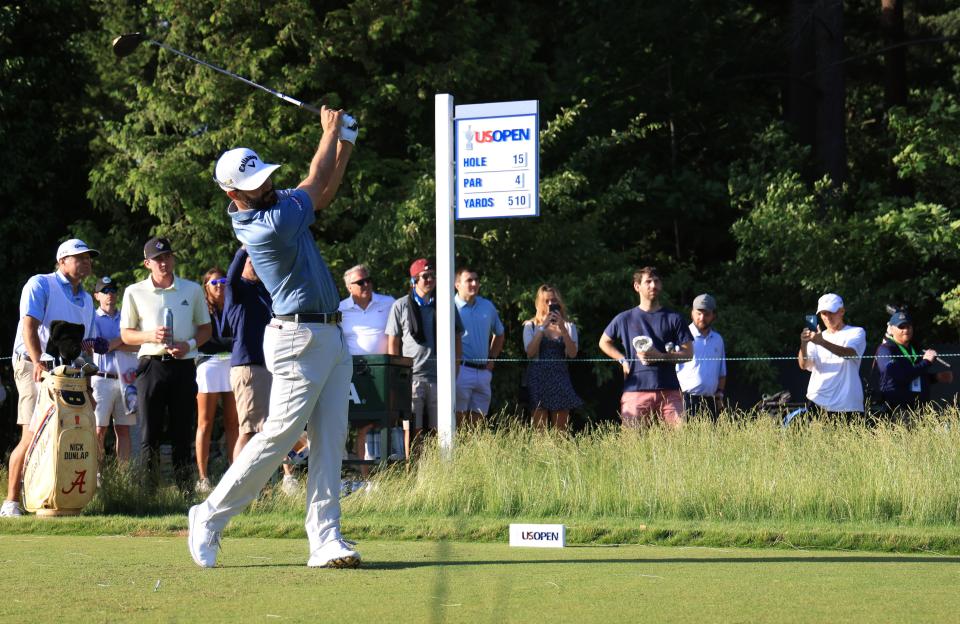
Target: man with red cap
{"x": 412, "y": 332}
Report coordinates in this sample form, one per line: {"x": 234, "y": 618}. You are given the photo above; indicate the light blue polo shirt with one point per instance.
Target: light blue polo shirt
{"x": 36, "y": 292}
{"x": 701, "y": 375}
{"x": 285, "y": 256}
{"x": 480, "y": 319}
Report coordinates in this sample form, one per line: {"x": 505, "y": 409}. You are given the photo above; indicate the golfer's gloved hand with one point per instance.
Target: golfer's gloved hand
{"x": 348, "y": 129}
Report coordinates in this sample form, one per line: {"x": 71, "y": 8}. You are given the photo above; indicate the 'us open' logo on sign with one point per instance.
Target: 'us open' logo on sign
{"x": 538, "y": 535}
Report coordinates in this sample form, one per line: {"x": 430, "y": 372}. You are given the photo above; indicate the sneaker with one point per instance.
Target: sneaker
{"x": 203, "y": 487}
{"x": 203, "y": 543}
{"x": 289, "y": 485}
{"x": 10, "y": 509}
{"x": 337, "y": 553}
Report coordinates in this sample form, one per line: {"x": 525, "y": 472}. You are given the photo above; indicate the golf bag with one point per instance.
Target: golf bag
{"x": 60, "y": 467}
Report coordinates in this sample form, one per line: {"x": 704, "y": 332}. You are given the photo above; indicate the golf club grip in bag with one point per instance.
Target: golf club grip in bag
{"x": 60, "y": 468}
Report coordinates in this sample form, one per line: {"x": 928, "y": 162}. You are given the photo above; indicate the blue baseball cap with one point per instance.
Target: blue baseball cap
{"x": 900, "y": 318}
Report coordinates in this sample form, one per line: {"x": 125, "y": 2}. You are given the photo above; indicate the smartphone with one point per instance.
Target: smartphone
{"x": 811, "y": 321}
{"x": 554, "y": 307}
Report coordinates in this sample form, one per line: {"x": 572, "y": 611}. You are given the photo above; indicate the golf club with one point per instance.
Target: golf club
{"x": 124, "y": 45}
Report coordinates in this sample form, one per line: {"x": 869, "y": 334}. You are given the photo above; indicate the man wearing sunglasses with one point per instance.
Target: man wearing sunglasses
{"x": 412, "y": 332}
{"x": 365, "y": 314}
{"x": 113, "y": 388}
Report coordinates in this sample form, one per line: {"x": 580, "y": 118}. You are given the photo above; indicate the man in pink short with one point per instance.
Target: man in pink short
{"x": 648, "y": 341}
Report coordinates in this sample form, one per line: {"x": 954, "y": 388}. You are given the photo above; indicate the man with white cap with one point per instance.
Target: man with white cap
{"x": 833, "y": 358}
{"x": 303, "y": 345}
{"x": 704, "y": 378}
{"x": 57, "y": 296}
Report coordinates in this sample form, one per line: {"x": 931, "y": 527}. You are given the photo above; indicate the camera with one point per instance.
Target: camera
{"x": 811, "y": 322}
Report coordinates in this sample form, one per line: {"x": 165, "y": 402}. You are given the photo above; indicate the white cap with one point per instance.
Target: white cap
{"x": 74, "y": 247}
{"x": 829, "y": 303}
{"x": 241, "y": 169}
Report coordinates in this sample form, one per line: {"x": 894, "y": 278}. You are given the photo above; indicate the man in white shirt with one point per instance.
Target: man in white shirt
{"x": 833, "y": 358}
{"x": 704, "y": 378}
{"x": 365, "y": 315}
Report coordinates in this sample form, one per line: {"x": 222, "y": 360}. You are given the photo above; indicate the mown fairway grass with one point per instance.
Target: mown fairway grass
{"x": 744, "y": 481}
{"x": 91, "y": 579}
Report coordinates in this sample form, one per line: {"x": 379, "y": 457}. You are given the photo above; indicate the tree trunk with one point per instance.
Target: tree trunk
{"x": 894, "y": 60}
{"x": 831, "y": 145}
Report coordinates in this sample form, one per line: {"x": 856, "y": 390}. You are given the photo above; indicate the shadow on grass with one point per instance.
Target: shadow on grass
{"x": 402, "y": 565}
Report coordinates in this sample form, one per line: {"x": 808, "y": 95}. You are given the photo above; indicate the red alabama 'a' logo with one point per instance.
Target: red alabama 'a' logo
{"x": 78, "y": 483}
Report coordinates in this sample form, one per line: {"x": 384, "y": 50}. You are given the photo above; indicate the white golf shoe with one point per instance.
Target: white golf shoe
{"x": 337, "y": 553}
{"x": 203, "y": 543}
{"x": 10, "y": 509}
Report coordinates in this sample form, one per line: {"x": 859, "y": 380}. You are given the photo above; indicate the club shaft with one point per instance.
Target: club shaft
{"x": 286, "y": 98}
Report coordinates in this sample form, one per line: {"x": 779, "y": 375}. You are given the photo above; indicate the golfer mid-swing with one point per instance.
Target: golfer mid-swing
{"x": 303, "y": 345}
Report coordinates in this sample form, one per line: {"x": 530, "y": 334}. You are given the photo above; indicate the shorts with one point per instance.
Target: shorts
{"x": 473, "y": 389}
{"x": 108, "y": 393}
{"x": 213, "y": 375}
{"x": 424, "y": 393}
{"x": 639, "y": 409}
{"x": 26, "y": 387}
{"x": 251, "y": 390}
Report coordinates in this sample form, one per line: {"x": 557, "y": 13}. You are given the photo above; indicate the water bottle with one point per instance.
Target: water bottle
{"x": 300, "y": 451}
{"x": 130, "y": 398}
{"x": 166, "y": 461}
{"x": 372, "y": 445}
{"x": 168, "y": 323}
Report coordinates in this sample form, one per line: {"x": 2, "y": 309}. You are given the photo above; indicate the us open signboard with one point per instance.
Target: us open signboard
{"x": 538, "y": 535}
{"x": 497, "y": 150}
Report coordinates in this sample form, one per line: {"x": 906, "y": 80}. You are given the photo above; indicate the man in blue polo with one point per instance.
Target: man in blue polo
{"x": 482, "y": 343}
{"x": 57, "y": 296}
{"x": 303, "y": 345}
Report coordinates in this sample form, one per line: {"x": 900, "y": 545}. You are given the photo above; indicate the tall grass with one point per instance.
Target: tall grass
{"x": 744, "y": 469}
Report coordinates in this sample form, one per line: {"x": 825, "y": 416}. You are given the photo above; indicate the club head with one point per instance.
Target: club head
{"x": 124, "y": 45}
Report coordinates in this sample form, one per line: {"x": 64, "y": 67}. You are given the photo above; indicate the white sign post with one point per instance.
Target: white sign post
{"x": 493, "y": 172}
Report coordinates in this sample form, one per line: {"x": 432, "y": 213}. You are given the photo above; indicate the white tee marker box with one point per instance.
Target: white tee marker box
{"x": 538, "y": 535}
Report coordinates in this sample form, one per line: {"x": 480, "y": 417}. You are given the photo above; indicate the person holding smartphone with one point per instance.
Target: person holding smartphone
{"x": 833, "y": 358}
{"x": 549, "y": 340}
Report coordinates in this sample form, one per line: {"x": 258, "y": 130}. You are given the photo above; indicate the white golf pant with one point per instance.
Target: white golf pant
{"x": 311, "y": 385}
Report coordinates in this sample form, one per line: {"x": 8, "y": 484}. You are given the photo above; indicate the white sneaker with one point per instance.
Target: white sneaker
{"x": 289, "y": 485}
{"x": 10, "y": 509}
{"x": 203, "y": 487}
{"x": 203, "y": 543}
{"x": 337, "y": 553}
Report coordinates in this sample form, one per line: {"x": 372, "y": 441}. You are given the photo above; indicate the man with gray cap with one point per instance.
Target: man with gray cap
{"x": 704, "y": 378}
{"x": 304, "y": 347}
{"x": 832, "y": 356}
{"x": 57, "y": 296}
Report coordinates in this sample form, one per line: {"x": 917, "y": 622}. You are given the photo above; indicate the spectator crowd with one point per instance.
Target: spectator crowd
{"x": 177, "y": 352}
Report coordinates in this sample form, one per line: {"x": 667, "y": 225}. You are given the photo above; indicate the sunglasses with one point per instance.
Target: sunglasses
{"x": 428, "y": 276}
{"x": 218, "y": 282}
{"x": 362, "y": 282}
{"x": 108, "y": 291}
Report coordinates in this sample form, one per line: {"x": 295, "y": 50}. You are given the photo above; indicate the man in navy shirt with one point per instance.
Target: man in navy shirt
{"x": 303, "y": 345}
{"x": 656, "y": 339}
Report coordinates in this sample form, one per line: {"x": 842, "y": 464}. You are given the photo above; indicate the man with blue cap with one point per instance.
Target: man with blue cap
{"x": 905, "y": 375}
